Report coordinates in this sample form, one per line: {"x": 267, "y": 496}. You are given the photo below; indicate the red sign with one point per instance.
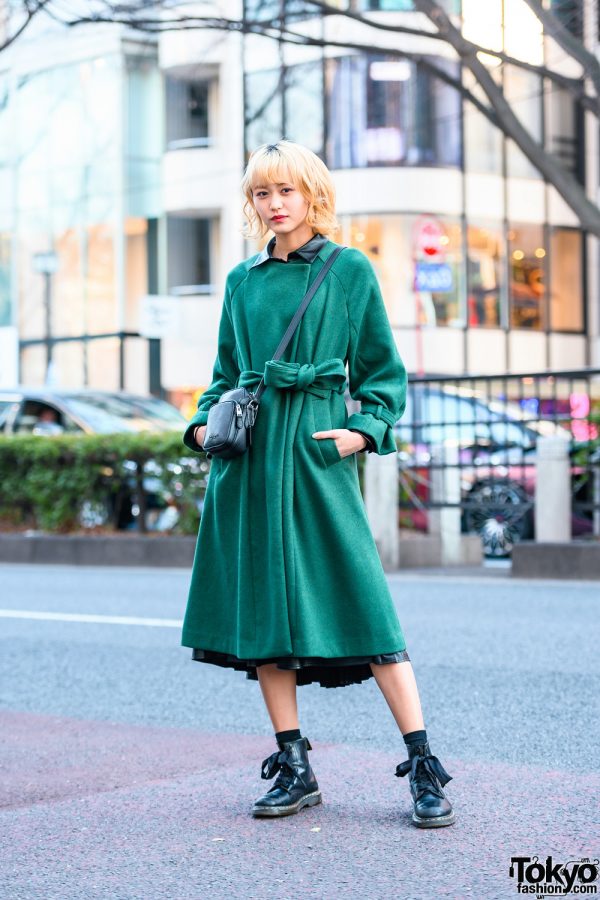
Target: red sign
{"x": 427, "y": 238}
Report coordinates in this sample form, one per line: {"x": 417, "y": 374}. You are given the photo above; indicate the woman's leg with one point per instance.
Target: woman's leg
{"x": 399, "y": 687}
{"x": 278, "y": 688}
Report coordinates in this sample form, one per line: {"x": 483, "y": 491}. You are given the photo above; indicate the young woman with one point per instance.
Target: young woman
{"x": 287, "y": 584}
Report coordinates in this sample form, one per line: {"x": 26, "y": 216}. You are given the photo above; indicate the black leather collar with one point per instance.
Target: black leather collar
{"x": 307, "y": 251}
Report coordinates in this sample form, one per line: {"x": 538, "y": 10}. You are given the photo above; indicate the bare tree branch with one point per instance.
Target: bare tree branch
{"x": 31, "y": 10}
{"x": 567, "y": 186}
{"x": 573, "y": 85}
{"x": 569, "y": 43}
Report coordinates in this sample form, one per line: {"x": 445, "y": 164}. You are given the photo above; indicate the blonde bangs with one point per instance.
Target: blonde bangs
{"x": 288, "y": 161}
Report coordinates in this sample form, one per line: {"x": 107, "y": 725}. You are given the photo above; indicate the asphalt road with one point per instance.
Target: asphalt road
{"x": 129, "y": 770}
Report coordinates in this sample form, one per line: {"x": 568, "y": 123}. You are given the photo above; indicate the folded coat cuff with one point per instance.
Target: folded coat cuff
{"x": 378, "y": 424}
{"x": 199, "y": 418}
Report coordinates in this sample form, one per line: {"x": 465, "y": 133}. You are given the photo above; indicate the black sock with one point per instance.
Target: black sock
{"x": 292, "y": 735}
{"x": 415, "y": 737}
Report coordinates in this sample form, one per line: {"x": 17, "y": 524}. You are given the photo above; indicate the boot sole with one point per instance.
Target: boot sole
{"x": 434, "y": 821}
{"x": 273, "y": 811}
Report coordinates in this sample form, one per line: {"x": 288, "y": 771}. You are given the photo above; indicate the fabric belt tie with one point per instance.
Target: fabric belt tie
{"x": 321, "y": 380}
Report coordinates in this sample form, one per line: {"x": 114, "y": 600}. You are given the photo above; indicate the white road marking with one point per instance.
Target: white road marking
{"x": 85, "y": 617}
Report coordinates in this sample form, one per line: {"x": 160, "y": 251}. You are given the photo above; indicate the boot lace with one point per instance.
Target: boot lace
{"x": 427, "y": 774}
{"x": 281, "y": 761}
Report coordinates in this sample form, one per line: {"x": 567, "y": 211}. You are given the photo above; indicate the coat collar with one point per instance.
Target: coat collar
{"x": 307, "y": 251}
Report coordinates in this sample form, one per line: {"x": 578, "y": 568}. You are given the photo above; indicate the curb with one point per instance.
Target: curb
{"x": 575, "y": 560}
{"x": 101, "y": 550}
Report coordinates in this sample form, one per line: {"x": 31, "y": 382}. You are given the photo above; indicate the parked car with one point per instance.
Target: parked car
{"x": 53, "y": 411}
{"x": 41, "y": 410}
{"x": 492, "y": 447}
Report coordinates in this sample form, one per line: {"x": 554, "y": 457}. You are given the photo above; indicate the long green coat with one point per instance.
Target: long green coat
{"x": 285, "y": 561}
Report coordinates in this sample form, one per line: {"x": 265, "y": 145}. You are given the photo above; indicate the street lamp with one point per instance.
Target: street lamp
{"x": 47, "y": 264}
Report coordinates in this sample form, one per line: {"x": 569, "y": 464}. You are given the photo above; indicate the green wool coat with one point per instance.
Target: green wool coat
{"x": 285, "y": 561}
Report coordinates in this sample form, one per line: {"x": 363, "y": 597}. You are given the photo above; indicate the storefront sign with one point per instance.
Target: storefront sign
{"x": 433, "y": 278}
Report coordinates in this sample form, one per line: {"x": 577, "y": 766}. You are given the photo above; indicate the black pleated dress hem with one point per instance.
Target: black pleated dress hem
{"x": 329, "y": 673}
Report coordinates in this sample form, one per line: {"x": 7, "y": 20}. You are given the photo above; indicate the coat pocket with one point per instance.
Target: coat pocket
{"x": 326, "y": 447}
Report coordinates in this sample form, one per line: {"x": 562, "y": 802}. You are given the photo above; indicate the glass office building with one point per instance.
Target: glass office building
{"x": 80, "y": 149}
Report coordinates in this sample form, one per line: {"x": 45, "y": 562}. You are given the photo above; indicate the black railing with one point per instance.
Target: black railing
{"x": 469, "y": 443}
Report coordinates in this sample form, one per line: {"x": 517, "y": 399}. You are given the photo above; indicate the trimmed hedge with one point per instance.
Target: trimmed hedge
{"x": 51, "y": 483}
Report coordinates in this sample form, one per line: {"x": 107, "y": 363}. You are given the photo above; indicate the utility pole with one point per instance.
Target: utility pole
{"x": 47, "y": 264}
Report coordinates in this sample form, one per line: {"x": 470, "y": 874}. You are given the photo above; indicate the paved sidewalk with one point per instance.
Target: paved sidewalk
{"x": 128, "y": 771}
{"x": 101, "y": 810}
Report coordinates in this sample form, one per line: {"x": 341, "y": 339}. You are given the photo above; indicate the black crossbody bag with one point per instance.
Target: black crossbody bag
{"x": 231, "y": 420}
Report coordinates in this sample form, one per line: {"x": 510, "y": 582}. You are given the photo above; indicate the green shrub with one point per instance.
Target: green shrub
{"x": 47, "y": 482}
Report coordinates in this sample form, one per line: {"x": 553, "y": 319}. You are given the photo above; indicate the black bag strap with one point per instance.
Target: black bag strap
{"x": 300, "y": 312}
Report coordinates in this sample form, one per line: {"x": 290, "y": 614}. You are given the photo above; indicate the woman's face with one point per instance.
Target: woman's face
{"x": 281, "y": 207}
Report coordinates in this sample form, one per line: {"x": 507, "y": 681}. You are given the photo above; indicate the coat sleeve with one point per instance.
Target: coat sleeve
{"x": 225, "y": 372}
{"x": 376, "y": 373}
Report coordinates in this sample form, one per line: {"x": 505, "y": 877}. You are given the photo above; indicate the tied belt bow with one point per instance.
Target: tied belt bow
{"x": 321, "y": 379}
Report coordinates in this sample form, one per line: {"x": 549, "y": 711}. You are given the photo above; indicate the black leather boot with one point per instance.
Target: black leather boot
{"x": 432, "y": 809}
{"x": 296, "y": 785}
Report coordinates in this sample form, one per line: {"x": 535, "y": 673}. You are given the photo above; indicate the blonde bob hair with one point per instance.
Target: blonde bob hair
{"x": 288, "y": 161}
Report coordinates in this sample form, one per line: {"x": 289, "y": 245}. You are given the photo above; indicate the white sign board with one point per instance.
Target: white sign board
{"x": 9, "y": 356}
{"x": 159, "y": 316}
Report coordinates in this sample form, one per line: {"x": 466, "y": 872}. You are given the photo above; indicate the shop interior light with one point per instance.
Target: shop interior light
{"x": 540, "y": 252}
{"x": 390, "y": 70}
{"x": 518, "y": 254}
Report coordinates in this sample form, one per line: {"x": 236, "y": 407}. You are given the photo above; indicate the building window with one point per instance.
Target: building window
{"x": 5, "y": 263}
{"x": 188, "y": 255}
{"x": 523, "y": 91}
{"x": 264, "y": 107}
{"x": 188, "y": 112}
{"x": 566, "y": 280}
{"x": 389, "y": 111}
{"x": 483, "y": 141}
{"x": 420, "y": 278}
{"x": 451, "y": 6}
{"x": 564, "y": 129}
{"x": 304, "y": 105}
{"x": 527, "y": 276}
{"x": 484, "y": 267}
{"x": 570, "y": 14}
{"x": 261, "y": 10}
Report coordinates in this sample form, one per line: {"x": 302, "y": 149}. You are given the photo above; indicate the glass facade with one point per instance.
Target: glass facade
{"x": 388, "y": 111}
{"x": 188, "y": 110}
{"x": 523, "y": 91}
{"x": 82, "y": 167}
{"x": 485, "y": 266}
{"x": 188, "y": 255}
{"x": 483, "y": 141}
{"x": 416, "y": 287}
{"x": 566, "y": 280}
{"x": 401, "y": 256}
{"x": 304, "y": 113}
{"x": 527, "y": 274}
{"x": 264, "y": 107}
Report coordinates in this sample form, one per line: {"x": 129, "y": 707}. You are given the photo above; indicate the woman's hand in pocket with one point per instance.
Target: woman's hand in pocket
{"x": 346, "y": 441}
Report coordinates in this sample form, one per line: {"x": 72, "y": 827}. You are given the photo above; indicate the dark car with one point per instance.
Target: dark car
{"x": 54, "y": 411}
{"x": 491, "y": 447}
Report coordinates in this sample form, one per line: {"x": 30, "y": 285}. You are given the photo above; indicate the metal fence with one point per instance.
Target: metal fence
{"x": 469, "y": 443}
